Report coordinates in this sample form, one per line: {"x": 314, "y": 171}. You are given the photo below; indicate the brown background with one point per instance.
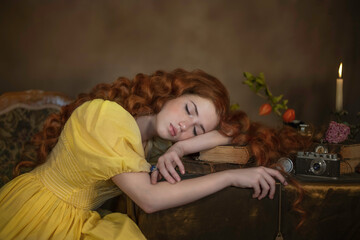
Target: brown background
{"x": 70, "y": 46}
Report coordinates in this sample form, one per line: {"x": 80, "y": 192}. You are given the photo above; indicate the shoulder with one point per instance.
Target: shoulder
{"x": 104, "y": 117}
{"x": 104, "y": 130}
{"x": 99, "y": 108}
{"x": 103, "y": 121}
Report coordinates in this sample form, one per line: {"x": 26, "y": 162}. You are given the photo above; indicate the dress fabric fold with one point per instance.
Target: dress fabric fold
{"x": 58, "y": 199}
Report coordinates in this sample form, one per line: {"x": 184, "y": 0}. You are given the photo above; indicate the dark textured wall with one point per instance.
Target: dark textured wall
{"x": 69, "y": 46}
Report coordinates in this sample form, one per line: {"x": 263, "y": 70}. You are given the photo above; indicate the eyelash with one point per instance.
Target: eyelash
{"x": 188, "y": 112}
{"x": 187, "y": 109}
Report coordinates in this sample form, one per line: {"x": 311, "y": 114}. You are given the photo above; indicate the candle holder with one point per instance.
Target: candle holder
{"x": 340, "y": 115}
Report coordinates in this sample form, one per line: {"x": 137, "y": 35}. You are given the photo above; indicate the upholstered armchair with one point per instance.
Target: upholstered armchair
{"x": 22, "y": 114}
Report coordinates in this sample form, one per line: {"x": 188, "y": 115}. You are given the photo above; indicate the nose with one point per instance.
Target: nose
{"x": 185, "y": 125}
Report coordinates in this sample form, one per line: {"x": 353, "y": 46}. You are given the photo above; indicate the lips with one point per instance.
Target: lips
{"x": 172, "y": 130}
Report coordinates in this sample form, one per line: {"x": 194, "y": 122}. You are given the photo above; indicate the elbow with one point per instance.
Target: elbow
{"x": 148, "y": 210}
{"x": 148, "y": 199}
{"x": 148, "y": 207}
{"x": 148, "y": 203}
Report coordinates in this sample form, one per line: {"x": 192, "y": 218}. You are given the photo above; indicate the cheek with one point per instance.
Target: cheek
{"x": 170, "y": 113}
{"x": 174, "y": 112}
{"x": 214, "y": 126}
{"x": 215, "y": 122}
{"x": 186, "y": 135}
{"x": 161, "y": 129}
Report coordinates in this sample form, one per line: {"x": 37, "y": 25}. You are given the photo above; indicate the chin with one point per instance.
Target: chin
{"x": 166, "y": 136}
{"x": 169, "y": 138}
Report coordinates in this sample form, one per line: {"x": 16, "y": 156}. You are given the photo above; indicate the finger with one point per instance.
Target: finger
{"x": 264, "y": 188}
{"x": 159, "y": 176}
{"x": 256, "y": 188}
{"x": 164, "y": 172}
{"x": 179, "y": 163}
{"x": 272, "y": 184}
{"x": 276, "y": 174}
{"x": 171, "y": 170}
{"x": 154, "y": 177}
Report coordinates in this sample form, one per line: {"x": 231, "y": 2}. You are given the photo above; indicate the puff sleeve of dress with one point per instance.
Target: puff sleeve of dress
{"x": 105, "y": 140}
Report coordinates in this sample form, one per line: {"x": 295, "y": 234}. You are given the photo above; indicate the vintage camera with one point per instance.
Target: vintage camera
{"x": 317, "y": 164}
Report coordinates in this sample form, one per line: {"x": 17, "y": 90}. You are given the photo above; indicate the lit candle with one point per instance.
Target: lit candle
{"x": 339, "y": 91}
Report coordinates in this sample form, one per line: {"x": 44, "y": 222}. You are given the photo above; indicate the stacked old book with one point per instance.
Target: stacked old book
{"x": 350, "y": 156}
{"x": 218, "y": 159}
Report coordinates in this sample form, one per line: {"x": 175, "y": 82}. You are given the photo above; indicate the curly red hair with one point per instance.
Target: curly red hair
{"x": 146, "y": 94}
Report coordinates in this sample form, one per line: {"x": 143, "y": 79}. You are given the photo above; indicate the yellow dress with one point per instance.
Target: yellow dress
{"x": 57, "y": 200}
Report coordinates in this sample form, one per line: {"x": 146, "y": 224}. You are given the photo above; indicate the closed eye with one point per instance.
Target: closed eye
{"x": 187, "y": 109}
{"x": 195, "y": 133}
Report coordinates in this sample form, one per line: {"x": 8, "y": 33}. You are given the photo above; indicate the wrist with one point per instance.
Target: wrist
{"x": 178, "y": 149}
{"x": 225, "y": 178}
{"x": 229, "y": 177}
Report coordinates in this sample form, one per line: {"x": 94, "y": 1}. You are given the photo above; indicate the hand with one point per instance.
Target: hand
{"x": 261, "y": 179}
{"x": 166, "y": 166}
{"x": 167, "y": 162}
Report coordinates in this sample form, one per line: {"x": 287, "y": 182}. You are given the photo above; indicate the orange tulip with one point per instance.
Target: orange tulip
{"x": 289, "y": 115}
{"x": 265, "y": 109}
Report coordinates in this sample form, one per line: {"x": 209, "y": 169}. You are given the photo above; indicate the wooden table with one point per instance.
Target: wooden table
{"x": 333, "y": 210}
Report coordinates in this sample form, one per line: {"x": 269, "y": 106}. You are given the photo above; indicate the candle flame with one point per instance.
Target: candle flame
{"x": 340, "y": 70}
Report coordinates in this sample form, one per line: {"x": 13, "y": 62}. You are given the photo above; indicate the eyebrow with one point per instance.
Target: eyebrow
{"x": 197, "y": 114}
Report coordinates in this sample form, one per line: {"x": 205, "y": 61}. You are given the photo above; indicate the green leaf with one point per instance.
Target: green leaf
{"x": 248, "y": 75}
{"x": 267, "y": 91}
{"x": 285, "y": 101}
{"x": 260, "y": 81}
{"x": 280, "y": 106}
{"x": 262, "y": 76}
{"x": 249, "y": 83}
{"x": 234, "y": 107}
{"x": 278, "y": 98}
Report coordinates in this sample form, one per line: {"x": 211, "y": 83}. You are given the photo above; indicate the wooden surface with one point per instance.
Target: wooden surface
{"x": 333, "y": 212}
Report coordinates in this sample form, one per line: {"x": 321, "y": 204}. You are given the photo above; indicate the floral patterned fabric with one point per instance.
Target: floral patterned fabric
{"x": 17, "y": 127}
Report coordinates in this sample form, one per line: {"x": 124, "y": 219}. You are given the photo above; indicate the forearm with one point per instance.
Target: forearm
{"x": 152, "y": 198}
{"x": 201, "y": 142}
{"x": 167, "y": 195}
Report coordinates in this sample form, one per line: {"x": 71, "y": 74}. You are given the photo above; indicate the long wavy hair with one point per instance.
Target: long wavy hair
{"x": 146, "y": 94}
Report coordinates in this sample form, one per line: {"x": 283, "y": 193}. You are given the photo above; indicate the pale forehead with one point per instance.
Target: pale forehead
{"x": 206, "y": 109}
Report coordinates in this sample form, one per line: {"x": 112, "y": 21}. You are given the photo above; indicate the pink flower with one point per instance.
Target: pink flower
{"x": 337, "y": 132}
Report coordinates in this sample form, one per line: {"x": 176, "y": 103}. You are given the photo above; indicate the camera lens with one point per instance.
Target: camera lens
{"x": 316, "y": 166}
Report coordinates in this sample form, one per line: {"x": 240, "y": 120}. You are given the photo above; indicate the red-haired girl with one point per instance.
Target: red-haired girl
{"x": 94, "y": 150}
